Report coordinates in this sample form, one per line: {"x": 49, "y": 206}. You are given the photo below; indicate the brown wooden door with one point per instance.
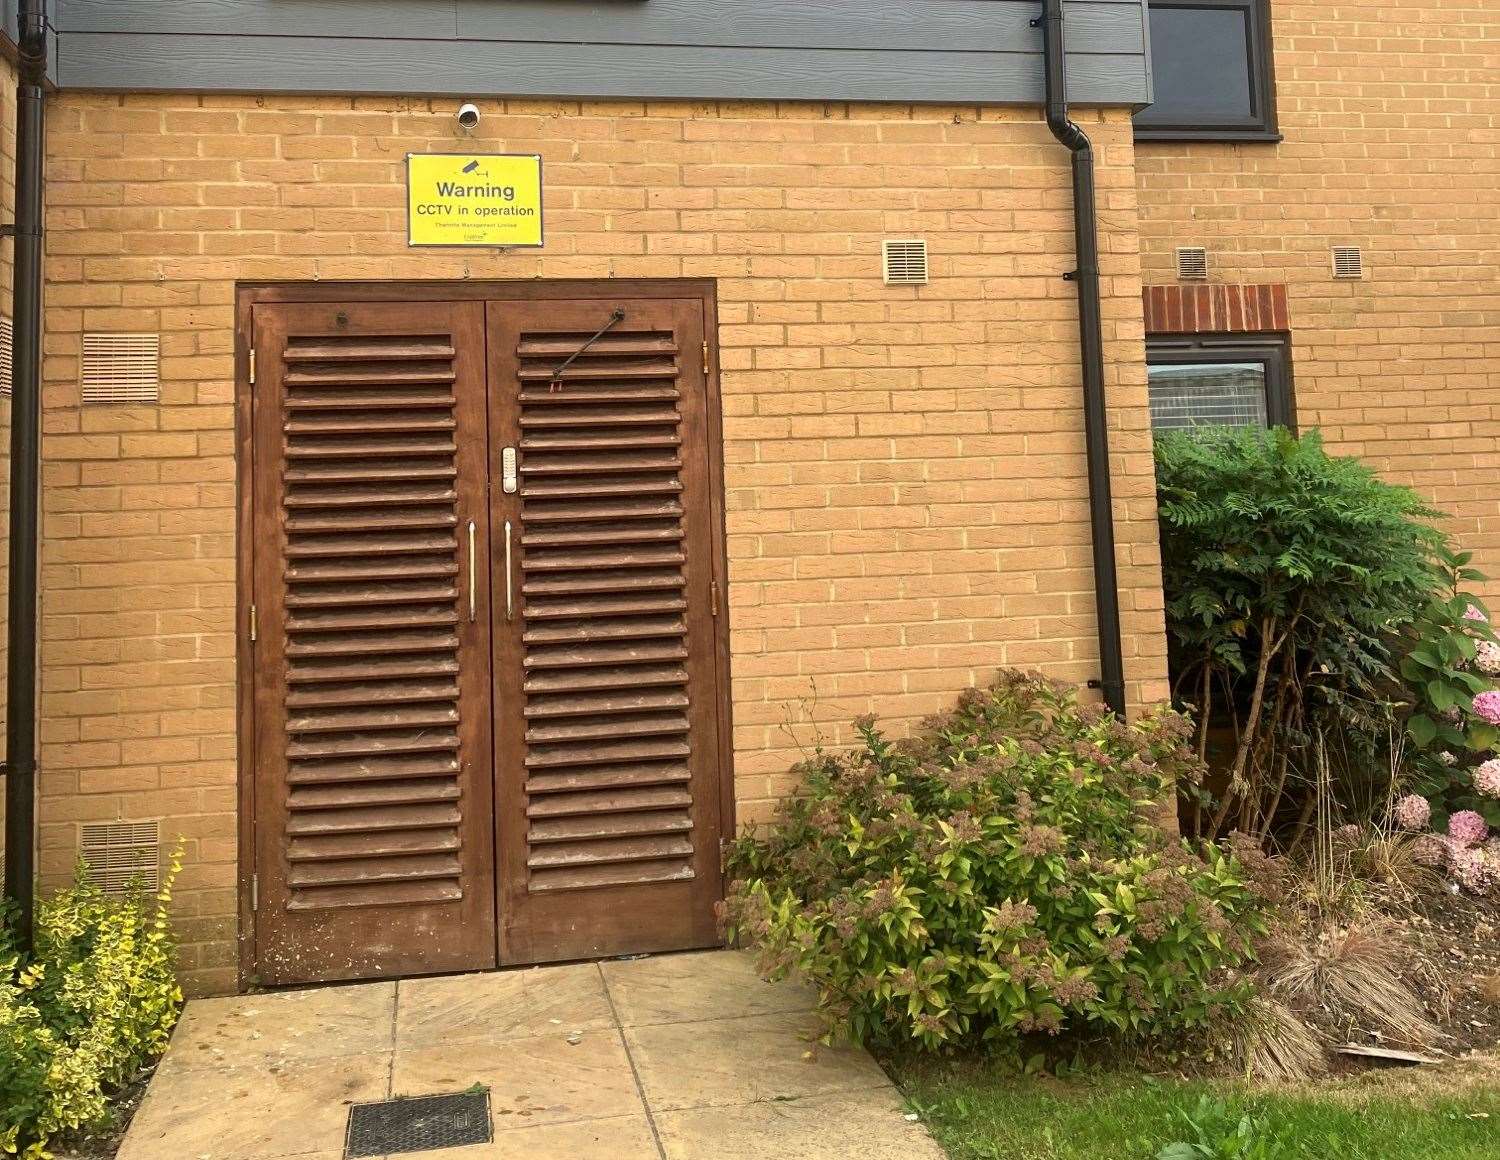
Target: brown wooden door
{"x": 606, "y": 698}
{"x": 372, "y": 780}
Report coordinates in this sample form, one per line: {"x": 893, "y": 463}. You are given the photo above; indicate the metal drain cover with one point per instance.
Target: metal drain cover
{"x": 418, "y": 1124}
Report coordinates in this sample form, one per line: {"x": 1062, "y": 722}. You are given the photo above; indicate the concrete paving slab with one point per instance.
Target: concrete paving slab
{"x": 502, "y": 1005}
{"x": 253, "y": 1112}
{"x": 531, "y": 1081}
{"x": 867, "y": 1124}
{"x": 719, "y": 1062}
{"x": 620, "y": 1138}
{"x": 712, "y": 985}
{"x": 322, "y": 1021}
{"x": 679, "y": 1057}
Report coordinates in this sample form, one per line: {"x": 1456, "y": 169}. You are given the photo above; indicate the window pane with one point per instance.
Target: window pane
{"x": 1207, "y": 394}
{"x": 1200, "y": 58}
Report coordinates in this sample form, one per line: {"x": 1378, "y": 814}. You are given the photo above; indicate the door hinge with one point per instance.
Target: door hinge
{"x": 705, "y": 358}
{"x": 255, "y": 892}
{"x": 254, "y": 624}
{"x": 252, "y": 366}
{"x": 713, "y": 597}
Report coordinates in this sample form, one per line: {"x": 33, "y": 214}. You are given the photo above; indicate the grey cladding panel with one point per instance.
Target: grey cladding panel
{"x": 488, "y": 68}
{"x": 963, "y": 51}
{"x": 336, "y": 18}
{"x": 936, "y": 25}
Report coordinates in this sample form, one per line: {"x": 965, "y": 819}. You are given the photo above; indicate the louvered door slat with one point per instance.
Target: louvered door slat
{"x": 373, "y": 708}
{"x": 607, "y": 704}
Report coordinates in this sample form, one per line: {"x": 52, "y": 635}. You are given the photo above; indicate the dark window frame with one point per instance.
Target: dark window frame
{"x": 1272, "y": 349}
{"x": 1262, "y": 71}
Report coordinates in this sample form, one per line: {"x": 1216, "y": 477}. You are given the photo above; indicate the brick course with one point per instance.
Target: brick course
{"x": 1391, "y": 117}
{"x": 906, "y": 500}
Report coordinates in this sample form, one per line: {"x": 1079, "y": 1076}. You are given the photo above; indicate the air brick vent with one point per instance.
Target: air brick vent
{"x": 118, "y": 853}
{"x": 7, "y": 356}
{"x": 1348, "y": 262}
{"x": 905, "y": 262}
{"x": 1192, "y": 263}
{"x": 121, "y": 369}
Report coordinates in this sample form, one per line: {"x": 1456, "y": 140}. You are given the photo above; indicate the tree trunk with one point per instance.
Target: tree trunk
{"x": 1237, "y": 786}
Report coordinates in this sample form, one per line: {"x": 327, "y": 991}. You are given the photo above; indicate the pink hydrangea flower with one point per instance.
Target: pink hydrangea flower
{"x": 1474, "y": 613}
{"x": 1487, "y": 705}
{"x": 1467, "y": 828}
{"x": 1487, "y": 658}
{"x": 1473, "y": 869}
{"x": 1412, "y": 812}
{"x": 1487, "y": 778}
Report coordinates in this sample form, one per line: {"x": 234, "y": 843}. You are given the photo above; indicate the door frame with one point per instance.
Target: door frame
{"x": 250, "y": 294}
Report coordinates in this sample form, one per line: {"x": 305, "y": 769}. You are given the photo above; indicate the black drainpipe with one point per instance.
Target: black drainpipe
{"x": 1091, "y": 340}
{"x": 25, "y": 423}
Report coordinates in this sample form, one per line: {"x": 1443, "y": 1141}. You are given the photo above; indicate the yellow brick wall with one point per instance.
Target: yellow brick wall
{"x": 1391, "y": 118}
{"x": 905, "y": 473}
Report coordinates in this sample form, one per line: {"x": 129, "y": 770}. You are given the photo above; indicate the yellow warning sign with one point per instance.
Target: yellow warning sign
{"x": 473, "y": 199}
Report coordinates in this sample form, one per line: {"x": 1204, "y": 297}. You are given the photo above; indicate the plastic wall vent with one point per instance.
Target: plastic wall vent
{"x": 905, "y": 262}
{"x": 1348, "y": 262}
{"x": 1192, "y": 263}
{"x": 121, "y": 368}
{"x": 119, "y": 853}
{"x": 7, "y": 356}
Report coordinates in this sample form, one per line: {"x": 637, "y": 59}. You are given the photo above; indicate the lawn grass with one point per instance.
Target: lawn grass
{"x": 979, "y": 1113}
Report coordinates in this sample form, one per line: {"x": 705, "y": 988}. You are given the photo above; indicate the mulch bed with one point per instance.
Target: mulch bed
{"x": 1460, "y": 936}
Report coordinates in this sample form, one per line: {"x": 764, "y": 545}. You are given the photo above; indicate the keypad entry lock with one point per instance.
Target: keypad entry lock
{"x": 508, "y": 471}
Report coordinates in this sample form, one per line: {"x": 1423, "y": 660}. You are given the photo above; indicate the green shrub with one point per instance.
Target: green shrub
{"x": 1451, "y": 656}
{"x": 95, "y": 1002}
{"x": 1289, "y": 576}
{"x": 998, "y": 874}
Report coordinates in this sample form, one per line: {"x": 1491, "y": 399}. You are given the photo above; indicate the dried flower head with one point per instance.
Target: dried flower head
{"x": 1412, "y": 812}
{"x": 1487, "y": 658}
{"x": 1487, "y": 778}
{"x": 1348, "y": 835}
{"x": 1430, "y": 850}
{"x": 1473, "y": 869}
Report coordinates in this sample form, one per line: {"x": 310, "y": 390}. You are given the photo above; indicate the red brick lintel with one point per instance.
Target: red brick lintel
{"x": 1214, "y": 309}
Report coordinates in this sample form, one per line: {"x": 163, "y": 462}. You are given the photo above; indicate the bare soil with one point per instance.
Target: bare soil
{"x": 1459, "y": 934}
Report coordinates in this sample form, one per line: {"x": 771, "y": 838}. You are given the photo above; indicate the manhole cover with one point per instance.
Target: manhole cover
{"x": 414, "y": 1125}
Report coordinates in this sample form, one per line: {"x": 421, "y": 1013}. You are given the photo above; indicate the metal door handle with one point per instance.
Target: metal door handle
{"x": 510, "y": 598}
{"x": 472, "y": 584}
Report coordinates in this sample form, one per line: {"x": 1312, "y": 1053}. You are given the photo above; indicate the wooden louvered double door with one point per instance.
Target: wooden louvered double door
{"x": 486, "y": 722}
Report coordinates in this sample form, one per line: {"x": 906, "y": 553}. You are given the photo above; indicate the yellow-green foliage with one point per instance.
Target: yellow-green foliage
{"x": 96, "y": 1001}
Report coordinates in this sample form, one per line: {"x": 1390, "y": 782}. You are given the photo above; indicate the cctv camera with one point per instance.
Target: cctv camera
{"x": 468, "y": 116}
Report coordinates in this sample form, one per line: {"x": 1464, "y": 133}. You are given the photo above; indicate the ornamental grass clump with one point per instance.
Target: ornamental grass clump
{"x": 1000, "y": 873}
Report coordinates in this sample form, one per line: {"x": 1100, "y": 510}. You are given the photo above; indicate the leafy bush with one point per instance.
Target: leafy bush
{"x": 998, "y": 874}
{"x": 95, "y": 1002}
{"x": 1289, "y": 575}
